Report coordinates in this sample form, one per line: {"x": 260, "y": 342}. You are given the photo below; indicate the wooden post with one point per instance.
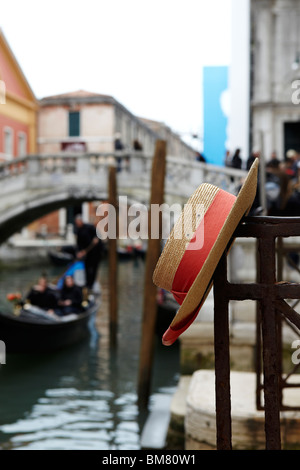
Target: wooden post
{"x": 113, "y": 261}
{"x": 150, "y": 291}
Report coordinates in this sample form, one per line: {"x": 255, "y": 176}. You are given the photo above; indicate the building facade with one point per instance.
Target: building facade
{"x": 176, "y": 146}
{"x": 239, "y": 79}
{"x": 275, "y": 76}
{"x": 18, "y": 107}
{"x": 89, "y": 122}
{"x": 79, "y": 121}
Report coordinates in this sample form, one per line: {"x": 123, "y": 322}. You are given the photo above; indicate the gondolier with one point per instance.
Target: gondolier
{"x": 89, "y": 248}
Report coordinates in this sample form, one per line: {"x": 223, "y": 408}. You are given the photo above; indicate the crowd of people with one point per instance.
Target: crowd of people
{"x": 282, "y": 177}
{"x": 283, "y": 184}
{"x": 59, "y": 302}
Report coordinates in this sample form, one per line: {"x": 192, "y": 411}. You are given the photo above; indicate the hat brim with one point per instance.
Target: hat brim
{"x": 202, "y": 284}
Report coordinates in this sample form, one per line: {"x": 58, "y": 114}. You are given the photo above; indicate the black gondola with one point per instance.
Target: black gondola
{"x": 166, "y": 311}
{"x": 35, "y": 331}
{"x": 62, "y": 257}
{"x": 125, "y": 253}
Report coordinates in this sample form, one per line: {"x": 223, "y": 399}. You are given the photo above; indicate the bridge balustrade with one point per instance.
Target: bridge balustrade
{"x": 180, "y": 172}
{"x": 33, "y": 185}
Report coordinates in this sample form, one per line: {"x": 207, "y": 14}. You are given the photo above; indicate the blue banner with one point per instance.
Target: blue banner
{"x": 215, "y": 113}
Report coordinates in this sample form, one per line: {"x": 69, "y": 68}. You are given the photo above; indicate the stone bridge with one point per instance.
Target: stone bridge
{"x": 35, "y": 185}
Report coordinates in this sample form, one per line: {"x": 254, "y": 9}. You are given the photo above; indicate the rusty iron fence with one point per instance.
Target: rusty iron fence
{"x": 273, "y": 297}
{"x": 291, "y": 319}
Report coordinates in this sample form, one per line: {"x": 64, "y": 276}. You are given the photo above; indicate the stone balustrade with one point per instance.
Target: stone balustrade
{"x": 44, "y": 182}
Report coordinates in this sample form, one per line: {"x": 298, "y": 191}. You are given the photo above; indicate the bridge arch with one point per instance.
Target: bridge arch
{"x": 30, "y": 210}
{"x": 34, "y": 186}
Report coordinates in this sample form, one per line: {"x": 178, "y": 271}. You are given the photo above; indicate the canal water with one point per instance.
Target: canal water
{"x": 84, "y": 397}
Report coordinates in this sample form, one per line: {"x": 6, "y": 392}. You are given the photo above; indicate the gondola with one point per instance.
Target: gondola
{"x": 166, "y": 310}
{"x": 140, "y": 251}
{"x": 33, "y": 330}
{"x": 62, "y": 257}
{"x": 125, "y": 253}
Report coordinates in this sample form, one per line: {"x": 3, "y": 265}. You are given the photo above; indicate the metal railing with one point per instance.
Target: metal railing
{"x": 271, "y": 297}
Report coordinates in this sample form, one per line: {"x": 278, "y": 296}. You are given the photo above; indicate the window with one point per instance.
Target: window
{"x": 22, "y": 144}
{"x": 74, "y": 123}
{"x": 8, "y": 142}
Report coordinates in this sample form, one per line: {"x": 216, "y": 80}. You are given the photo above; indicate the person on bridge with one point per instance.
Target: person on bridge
{"x": 236, "y": 161}
{"x": 90, "y": 248}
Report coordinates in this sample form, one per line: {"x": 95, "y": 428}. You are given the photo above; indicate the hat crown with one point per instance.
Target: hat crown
{"x": 183, "y": 231}
{"x": 188, "y": 273}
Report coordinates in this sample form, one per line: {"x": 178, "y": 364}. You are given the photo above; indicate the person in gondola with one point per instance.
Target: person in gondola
{"x": 41, "y": 295}
{"x": 90, "y": 249}
{"x": 70, "y": 298}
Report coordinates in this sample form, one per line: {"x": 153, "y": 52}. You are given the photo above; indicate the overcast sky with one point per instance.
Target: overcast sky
{"x": 147, "y": 54}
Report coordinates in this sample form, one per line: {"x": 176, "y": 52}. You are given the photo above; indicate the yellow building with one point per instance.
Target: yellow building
{"x": 18, "y": 107}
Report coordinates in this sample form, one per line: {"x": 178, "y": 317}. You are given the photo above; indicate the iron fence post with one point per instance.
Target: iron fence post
{"x": 222, "y": 357}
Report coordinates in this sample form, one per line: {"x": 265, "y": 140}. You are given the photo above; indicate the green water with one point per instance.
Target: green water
{"x": 83, "y": 397}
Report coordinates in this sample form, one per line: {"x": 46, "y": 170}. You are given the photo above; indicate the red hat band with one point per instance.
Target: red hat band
{"x": 193, "y": 259}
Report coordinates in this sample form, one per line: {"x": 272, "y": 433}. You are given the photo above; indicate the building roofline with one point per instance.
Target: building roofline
{"x": 91, "y": 98}
{"x": 17, "y": 65}
{"x": 85, "y": 97}
{"x": 73, "y": 98}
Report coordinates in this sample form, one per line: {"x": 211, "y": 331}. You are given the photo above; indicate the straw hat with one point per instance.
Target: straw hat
{"x": 196, "y": 244}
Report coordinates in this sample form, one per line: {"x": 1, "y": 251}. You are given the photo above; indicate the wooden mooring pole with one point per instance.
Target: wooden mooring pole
{"x": 150, "y": 291}
{"x": 113, "y": 261}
